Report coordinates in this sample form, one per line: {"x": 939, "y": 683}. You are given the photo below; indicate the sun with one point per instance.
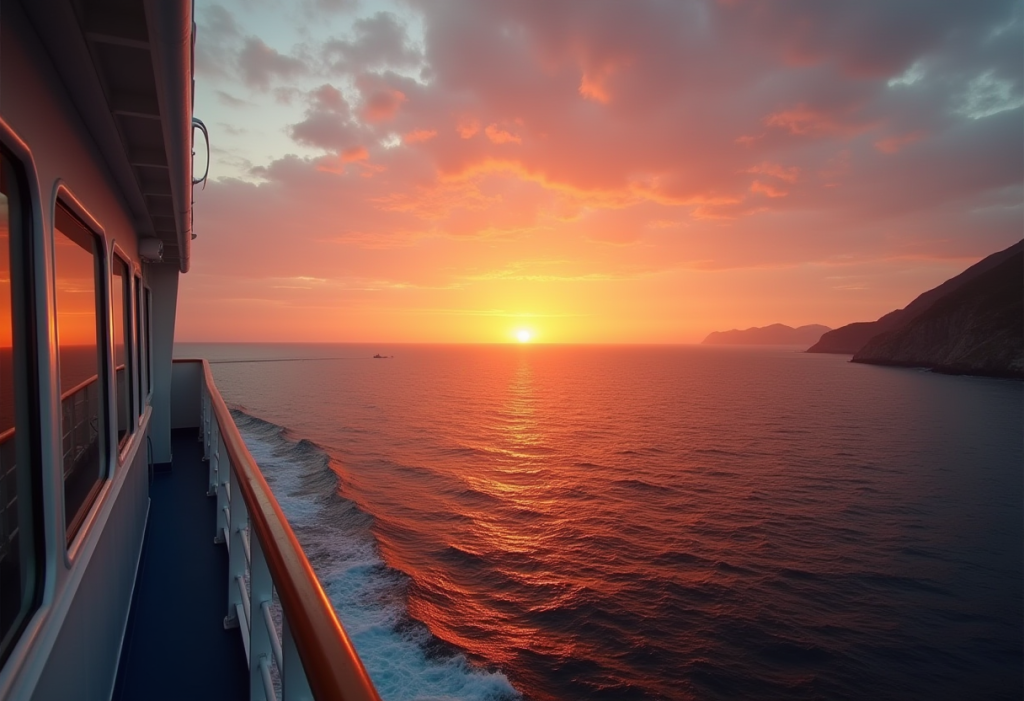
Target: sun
{"x": 524, "y": 335}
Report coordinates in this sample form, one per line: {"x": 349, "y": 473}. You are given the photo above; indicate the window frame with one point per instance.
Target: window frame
{"x": 24, "y": 278}
{"x": 140, "y": 342}
{"x": 66, "y": 199}
{"x": 131, "y": 420}
{"x": 147, "y": 310}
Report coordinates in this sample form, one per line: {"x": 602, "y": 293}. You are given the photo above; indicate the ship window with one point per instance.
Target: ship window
{"x": 140, "y": 344}
{"x": 77, "y": 272}
{"x": 21, "y": 558}
{"x": 120, "y": 295}
{"x": 147, "y": 309}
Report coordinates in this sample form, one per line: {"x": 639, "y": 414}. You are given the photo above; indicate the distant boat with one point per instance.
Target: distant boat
{"x": 382, "y": 357}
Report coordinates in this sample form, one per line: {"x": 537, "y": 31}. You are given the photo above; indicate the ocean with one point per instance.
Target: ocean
{"x": 661, "y": 522}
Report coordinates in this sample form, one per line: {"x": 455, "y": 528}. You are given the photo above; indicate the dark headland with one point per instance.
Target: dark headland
{"x": 851, "y": 338}
{"x": 971, "y": 324}
{"x": 774, "y": 335}
{"x": 977, "y": 329}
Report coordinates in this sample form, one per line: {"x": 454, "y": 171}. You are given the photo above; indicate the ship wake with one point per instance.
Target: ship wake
{"x": 403, "y": 658}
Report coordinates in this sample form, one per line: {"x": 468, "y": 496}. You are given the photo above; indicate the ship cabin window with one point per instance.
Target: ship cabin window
{"x": 140, "y": 344}
{"x": 120, "y": 315}
{"x": 147, "y": 310}
{"x": 21, "y": 560}
{"x": 78, "y": 270}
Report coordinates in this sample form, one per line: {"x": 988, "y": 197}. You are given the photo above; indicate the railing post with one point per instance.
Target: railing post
{"x": 204, "y": 419}
{"x": 261, "y": 590}
{"x": 239, "y": 520}
{"x": 214, "y": 461}
{"x": 223, "y": 497}
{"x": 294, "y": 685}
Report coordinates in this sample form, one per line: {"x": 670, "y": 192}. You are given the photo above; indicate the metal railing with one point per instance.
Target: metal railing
{"x": 80, "y": 422}
{"x": 313, "y": 656}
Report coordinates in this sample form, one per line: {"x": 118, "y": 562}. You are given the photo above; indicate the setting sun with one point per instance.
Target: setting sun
{"x": 524, "y": 335}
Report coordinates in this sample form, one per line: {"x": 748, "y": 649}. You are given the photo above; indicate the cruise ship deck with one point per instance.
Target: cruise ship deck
{"x": 179, "y": 601}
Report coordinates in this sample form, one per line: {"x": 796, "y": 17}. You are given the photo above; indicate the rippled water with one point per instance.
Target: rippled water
{"x": 649, "y": 522}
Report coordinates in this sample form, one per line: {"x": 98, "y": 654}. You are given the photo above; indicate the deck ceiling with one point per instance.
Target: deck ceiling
{"x": 116, "y": 93}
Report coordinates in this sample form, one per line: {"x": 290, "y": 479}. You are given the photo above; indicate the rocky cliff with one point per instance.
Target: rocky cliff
{"x": 774, "y": 335}
{"x": 852, "y": 337}
{"x": 976, "y": 329}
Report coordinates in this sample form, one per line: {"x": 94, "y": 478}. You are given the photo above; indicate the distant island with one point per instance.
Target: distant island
{"x": 971, "y": 324}
{"x": 774, "y": 335}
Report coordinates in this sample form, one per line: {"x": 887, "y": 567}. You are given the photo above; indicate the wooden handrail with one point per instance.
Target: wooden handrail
{"x": 333, "y": 668}
{"x": 78, "y": 388}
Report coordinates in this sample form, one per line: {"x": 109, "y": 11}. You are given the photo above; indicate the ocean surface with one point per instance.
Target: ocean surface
{"x": 588, "y": 522}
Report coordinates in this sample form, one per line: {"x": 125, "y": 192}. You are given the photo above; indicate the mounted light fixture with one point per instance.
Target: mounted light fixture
{"x": 151, "y": 250}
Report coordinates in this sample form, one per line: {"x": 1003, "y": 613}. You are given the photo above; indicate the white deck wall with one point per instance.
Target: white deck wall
{"x": 71, "y": 646}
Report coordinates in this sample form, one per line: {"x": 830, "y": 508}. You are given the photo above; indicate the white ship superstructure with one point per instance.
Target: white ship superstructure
{"x": 140, "y": 547}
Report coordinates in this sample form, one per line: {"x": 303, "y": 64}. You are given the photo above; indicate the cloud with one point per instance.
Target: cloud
{"x": 381, "y": 103}
{"x": 467, "y": 136}
{"x": 767, "y": 189}
{"x": 378, "y": 42}
{"x": 217, "y": 33}
{"x": 231, "y": 100}
{"x": 418, "y": 136}
{"x": 789, "y": 175}
{"x": 497, "y": 135}
{"x": 894, "y": 144}
{"x": 328, "y": 122}
{"x": 259, "y": 64}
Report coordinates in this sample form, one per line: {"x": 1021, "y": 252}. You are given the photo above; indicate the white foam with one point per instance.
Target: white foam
{"x": 366, "y": 594}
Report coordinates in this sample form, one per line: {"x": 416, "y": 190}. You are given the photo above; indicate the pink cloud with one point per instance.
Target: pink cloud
{"x": 418, "y": 136}
{"x": 806, "y": 121}
{"x": 767, "y": 189}
{"x": 381, "y": 104}
{"x": 894, "y": 144}
{"x": 788, "y": 175}
{"x": 355, "y": 154}
{"x": 467, "y": 127}
{"x": 497, "y": 135}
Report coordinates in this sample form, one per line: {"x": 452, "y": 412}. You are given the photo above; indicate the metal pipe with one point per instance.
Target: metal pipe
{"x": 275, "y": 639}
{"x": 246, "y": 548}
{"x": 268, "y": 683}
{"x": 244, "y": 595}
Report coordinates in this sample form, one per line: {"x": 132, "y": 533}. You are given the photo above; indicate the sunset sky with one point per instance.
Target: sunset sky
{"x": 611, "y": 172}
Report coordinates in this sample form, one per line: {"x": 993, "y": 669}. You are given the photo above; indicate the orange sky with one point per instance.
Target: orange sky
{"x": 640, "y": 172}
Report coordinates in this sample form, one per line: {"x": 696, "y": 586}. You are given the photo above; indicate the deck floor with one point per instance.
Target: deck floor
{"x": 176, "y": 646}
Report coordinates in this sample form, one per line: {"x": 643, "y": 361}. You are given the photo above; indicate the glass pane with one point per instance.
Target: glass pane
{"x": 147, "y": 309}
{"x": 141, "y": 383}
{"x": 20, "y": 563}
{"x": 119, "y": 296}
{"x": 76, "y": 264}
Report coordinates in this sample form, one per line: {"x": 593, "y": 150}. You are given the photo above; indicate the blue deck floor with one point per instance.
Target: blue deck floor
{"x": 176, "y": 646}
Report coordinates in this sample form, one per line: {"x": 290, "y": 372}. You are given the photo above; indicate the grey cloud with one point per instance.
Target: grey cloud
{"x": 379, "y": 41}
{"x": 259, "y": 64}
{"x": 327, "y": 122}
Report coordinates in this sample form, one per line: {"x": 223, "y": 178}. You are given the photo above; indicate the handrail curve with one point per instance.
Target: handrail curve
{"x": 329, "y": 659}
